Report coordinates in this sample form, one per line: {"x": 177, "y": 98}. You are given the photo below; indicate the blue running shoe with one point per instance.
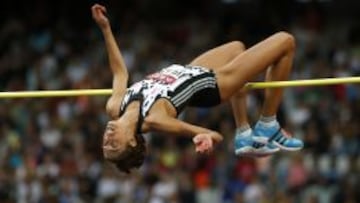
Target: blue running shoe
{"x": 277, "y": 136}
{"x": 246, "y": 146}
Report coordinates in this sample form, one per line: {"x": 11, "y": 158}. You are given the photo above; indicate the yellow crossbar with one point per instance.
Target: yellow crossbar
{"x": 309, "y": 82}
{"x": 56, "y": 93}
{"x": 251, "y": 85}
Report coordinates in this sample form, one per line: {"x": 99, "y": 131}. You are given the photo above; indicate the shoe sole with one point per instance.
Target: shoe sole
{"x": 251, "y": 152}
{"x": 292, "y": 149}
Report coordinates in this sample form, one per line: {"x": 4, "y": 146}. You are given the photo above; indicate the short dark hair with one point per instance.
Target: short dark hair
{"x": 132, "y": 157}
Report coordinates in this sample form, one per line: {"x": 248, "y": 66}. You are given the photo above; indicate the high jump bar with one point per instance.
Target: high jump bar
{"x": 250, "y": 85}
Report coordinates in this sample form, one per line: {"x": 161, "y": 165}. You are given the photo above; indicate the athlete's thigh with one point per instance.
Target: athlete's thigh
{"x": 219, "y": 56}
{"x": 253, "y": 61}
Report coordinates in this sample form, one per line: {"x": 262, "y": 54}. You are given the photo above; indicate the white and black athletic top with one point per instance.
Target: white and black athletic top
{"x": 181, "y": 85}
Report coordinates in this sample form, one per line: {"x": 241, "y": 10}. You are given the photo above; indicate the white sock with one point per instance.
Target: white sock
{"x": 268, "y": 121}
{"x": 244, "y": 130}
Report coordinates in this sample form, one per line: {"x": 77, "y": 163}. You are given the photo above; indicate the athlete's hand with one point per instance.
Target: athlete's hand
{"x": 204, "y": 142}
{"x": 98, "y": 13}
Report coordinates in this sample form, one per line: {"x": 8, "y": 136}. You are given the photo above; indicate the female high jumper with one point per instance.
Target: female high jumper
{"x": 214, "y": 77}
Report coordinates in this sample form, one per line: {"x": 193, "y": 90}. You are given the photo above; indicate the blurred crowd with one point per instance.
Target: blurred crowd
{"x": 50, "y": 148}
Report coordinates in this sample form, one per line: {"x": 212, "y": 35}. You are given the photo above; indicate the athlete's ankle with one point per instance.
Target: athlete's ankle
{"x": 243, "y": 130}
{"x": 267, "y": 122}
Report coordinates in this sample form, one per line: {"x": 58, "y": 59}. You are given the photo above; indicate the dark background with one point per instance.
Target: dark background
{"x": 50, "y": 148}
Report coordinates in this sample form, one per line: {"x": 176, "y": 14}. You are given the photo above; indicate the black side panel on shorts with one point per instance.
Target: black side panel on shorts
{"x": 207, "y": 97}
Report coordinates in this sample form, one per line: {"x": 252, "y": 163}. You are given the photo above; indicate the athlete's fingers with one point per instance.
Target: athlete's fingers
{"x": 198, "y": 138}
{"x": 200, "y": 147}
{"x": 98, "y": 9}
{"x": 204, "y": 146}
{"x": 95, "y": 7}
{"x": 103, "y": 8}
{"x": 96, "y": 12}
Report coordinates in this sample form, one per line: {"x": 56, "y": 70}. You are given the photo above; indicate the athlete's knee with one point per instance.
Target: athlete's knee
{"x": 288, "y": 39}
{"x": 237, "y": 46}
{"x": 232, "y": 49}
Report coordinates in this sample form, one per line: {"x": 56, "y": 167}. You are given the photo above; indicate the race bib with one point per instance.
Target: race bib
{"x": 162, "y": 78}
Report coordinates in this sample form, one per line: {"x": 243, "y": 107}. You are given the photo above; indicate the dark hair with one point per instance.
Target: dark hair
{"x": 132, "y": 157}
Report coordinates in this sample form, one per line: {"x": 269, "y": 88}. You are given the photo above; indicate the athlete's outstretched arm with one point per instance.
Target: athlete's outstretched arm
{"x": 116, "y": 61}
{"x": 203, "y": 138}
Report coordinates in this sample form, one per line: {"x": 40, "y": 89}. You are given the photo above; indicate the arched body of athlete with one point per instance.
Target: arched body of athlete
{"x": 215, "y": 76}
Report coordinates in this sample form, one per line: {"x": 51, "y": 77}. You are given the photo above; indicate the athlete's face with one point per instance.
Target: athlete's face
{"x": 115, "y": 139}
